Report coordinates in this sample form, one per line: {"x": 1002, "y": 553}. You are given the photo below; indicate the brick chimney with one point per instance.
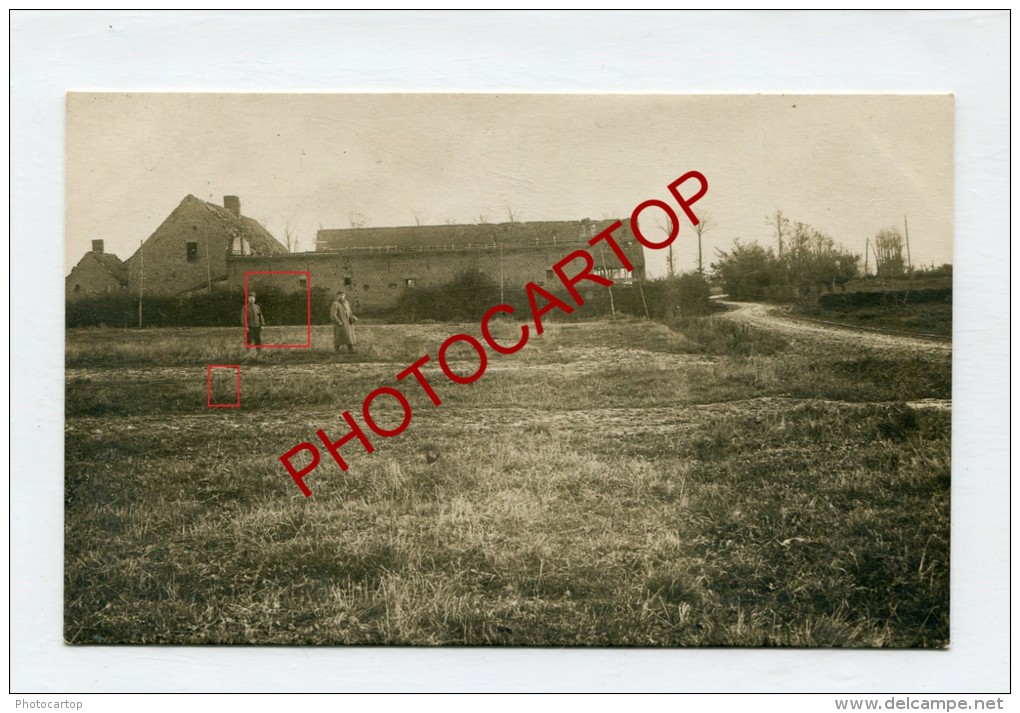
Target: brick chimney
{"x": 233, "y": 204}
{"x": 97, "y": 246}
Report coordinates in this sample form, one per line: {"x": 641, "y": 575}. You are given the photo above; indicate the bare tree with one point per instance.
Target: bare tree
{"x": 482, "y": 219}
{"x": 888, "y": 250}
{"x": 288, "y": 238}
{"x": 417, "y": 218}
{"x": 782, "y": 227}
{"x": 670, "y": 259}
{"x": 357, "y": 220}
{"x": 512, "y": 215}
{"x": 703, "y": 226}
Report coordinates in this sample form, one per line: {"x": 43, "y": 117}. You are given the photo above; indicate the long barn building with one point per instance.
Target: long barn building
{"x": 203, "y": 246}
{"x": 376, "y": 265}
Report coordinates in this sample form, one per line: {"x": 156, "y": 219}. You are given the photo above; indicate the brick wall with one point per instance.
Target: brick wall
{"x": 169, "y": 267}
{"x": 375, "y": 279}
{"x": 90, "y": 278}
{"x": 189, "y": 249}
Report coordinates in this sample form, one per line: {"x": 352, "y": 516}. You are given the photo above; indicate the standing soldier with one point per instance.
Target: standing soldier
{"x": 343, "y": 320}
{"x": 253, "y": 321}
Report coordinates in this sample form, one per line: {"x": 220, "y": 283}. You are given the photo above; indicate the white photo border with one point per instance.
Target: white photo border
{"x": 965, "y": 53}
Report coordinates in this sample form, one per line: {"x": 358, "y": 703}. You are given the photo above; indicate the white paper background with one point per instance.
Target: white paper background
{"x": 966, "y": 53}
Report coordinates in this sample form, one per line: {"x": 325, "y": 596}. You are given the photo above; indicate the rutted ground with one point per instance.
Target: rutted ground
{"x": 616, "y": 422}
{"x": 567, "y": 361}
{"x": 563, "y": 353}
{"x": 612, "y": 483}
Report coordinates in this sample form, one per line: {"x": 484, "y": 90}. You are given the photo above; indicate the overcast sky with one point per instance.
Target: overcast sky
{"x": 847, "y": 165}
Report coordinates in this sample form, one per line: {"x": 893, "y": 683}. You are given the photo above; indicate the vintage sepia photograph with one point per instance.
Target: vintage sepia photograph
{"x": 514, "y": 370}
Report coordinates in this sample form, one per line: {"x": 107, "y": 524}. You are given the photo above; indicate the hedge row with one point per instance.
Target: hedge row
{"x": 466, "y": 298}
{"x": 887, "y": 298}
{"x": 219, "y": 309}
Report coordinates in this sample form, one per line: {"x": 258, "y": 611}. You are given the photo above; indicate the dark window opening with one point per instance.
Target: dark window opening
{"x": 303, "y": 281}
{"x": 613, "y": 273}
{"x": 364, "y": 287}
{"x": 192, "y": 251}
{"x": 348, "y": 281}
{"x": 549, "y": 274}
{"x": 77, "y": 288}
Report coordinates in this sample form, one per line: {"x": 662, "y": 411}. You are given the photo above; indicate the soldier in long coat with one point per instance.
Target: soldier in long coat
{"x": 343, "y": 320}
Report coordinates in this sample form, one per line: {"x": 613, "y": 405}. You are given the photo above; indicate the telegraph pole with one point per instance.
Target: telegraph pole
{"x": 141, "y": 279}
{"x": 906, "y": 236}
{"x": 640, "y": 284}
{"x": 208, "y": 263}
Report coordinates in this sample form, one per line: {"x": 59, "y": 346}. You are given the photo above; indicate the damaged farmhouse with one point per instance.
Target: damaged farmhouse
{"x": 202, "y": 246}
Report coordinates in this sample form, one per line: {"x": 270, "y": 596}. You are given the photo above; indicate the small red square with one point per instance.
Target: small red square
{"x": 308, "y": 287}
{"x": 208, "y": 382}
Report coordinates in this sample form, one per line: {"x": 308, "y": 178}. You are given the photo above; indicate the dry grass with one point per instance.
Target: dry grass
{"x": 924, "y": 318}
{"x": 612, "y": 484}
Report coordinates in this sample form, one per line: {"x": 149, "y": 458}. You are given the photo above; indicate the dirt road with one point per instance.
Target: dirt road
{"x": 764, "y": 317}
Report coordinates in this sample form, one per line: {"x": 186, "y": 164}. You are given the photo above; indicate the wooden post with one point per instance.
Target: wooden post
{"x": 612, "y": 307}
{"x": 641, "y": 288}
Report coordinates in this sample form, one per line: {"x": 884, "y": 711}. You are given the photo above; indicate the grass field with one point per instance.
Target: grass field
{"x": 934, "y": 319}
{"x": 613, "y": 483}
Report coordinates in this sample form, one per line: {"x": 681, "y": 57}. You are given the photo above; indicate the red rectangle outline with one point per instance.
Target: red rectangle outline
{"x": 308, "y": 284}
{"x": 208, "y": 387}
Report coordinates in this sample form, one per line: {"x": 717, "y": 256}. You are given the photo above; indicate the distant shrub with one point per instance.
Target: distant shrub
{"x": 899, "y": 422}
{"x": 809, "y": 261}
{"x": 466, "y": 297}
{"x": 115, "y": 310}
{"x": 711, "y": 335}
{"x": 685, "y": 295}
{"x": 944, "y": 270}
